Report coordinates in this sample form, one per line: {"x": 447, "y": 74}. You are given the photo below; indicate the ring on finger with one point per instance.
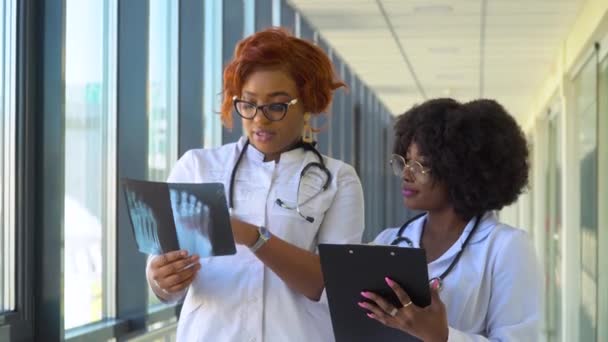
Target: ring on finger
{"x": 393, "y": 312}
{"x": 407, "y": 304}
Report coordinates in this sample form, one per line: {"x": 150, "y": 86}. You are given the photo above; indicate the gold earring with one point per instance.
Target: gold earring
{"x": 307, "y": 131}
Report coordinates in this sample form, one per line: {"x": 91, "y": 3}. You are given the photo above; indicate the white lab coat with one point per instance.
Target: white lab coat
{"x": 237, "y": 298}
{"x": 494, "y": 291}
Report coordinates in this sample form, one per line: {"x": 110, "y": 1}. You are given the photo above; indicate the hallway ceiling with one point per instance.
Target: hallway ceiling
{"x": 409, "y": 50}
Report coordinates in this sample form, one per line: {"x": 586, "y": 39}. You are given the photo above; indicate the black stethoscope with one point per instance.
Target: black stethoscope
{"x": 320, "y": 165}
{"x": 436, "y": 282}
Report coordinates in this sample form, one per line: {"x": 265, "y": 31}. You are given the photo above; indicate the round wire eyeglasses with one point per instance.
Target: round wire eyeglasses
{"x": 419, "y": 172}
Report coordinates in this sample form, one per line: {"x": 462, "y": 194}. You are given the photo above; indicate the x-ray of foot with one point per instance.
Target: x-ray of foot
{"x": 192, "y": 222}
{"x": 144, "y": 224}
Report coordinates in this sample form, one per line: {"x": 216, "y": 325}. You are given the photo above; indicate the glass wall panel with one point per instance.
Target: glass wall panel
{"x": 162, "y": 87}
{"x": 89, "y": 108}
{"x": 214, "y": 66}
{"x": 585, "y": 92}
{"x": 7, "y": 154}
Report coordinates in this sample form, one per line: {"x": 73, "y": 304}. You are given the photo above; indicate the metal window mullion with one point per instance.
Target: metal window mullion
{"x": 353, "y": 126}
{"x": 263, "y": 14}
{"x": 375, "y": 165}
{"x": 190, "y": 70}
{"x": 336, "y": 115}
{"x": 26, "y": 120}
{"x": 233, "y": 30}
{"x": 369, "y": 158}
{"x": 132, "y": 154}
{"x": 324, "y": 121}
{"x": 50, "y": 173}
{"x": 347, "y": 127}
{"x": 306, "y": 31}
{"x": 288, "y": 16}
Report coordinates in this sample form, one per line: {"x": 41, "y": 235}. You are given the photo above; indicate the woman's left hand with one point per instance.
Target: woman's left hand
{"x": 243, "y": 232}
{"x": 428, "y": 324}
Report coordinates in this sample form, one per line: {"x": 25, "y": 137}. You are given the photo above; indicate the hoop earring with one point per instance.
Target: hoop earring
{"x": 307, "y": 131}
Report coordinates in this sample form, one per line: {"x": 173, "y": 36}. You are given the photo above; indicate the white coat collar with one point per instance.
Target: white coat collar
{"x": 256, "y": 156}
{"x": 487, "y": 223}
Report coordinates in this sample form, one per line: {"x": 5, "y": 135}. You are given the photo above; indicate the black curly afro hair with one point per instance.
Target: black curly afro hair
{"x": 476, "y": 149}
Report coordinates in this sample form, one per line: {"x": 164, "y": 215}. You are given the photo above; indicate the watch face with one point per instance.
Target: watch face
{"x": 264, "y": 232}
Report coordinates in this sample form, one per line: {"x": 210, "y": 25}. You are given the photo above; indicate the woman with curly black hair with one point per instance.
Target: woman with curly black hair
{"x": 459, "y": 163}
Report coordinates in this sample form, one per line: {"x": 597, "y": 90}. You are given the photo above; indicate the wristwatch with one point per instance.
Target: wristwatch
{"x": 264, "y": 236}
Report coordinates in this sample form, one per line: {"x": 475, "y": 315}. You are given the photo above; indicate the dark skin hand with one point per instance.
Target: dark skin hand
{"x": 429, "y": 324}
{"x": 171, "y": 273}
{"x": 298, "y": 268}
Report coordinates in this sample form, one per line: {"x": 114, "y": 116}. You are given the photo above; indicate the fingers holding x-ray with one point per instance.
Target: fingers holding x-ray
{"x": 192, "y": 222}
{"x": 144, "y": 224}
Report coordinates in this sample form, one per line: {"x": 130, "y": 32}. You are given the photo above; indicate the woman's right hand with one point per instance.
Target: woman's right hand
{"x": 172, "y": 272}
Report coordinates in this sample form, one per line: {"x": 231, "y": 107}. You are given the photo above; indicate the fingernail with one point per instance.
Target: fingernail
{"x": 389, "y": 281}
{"x": 370, "y": 315}
{"x": 183, "y": 253}
{"x": 365, "y": 294}
{"x": 361, "y": 304}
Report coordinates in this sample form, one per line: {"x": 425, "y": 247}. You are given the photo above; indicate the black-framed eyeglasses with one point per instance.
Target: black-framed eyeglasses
{"x": 272, "y": 111}
{"x": 419, "y": 172}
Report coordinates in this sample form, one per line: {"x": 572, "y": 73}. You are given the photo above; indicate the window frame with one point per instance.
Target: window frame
{"x": 8, "y": 155}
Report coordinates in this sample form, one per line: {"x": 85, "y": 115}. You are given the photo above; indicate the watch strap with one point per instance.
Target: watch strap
{"x": 263, "y": 237}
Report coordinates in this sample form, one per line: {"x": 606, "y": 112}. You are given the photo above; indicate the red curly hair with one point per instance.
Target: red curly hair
{"x": 307, "y": 64}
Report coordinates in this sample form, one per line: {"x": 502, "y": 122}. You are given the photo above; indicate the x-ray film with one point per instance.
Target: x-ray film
{"x": 172, "y": 216}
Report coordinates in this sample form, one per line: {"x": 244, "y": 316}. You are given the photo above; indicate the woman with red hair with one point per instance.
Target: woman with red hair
{"x": 285, "y": 199}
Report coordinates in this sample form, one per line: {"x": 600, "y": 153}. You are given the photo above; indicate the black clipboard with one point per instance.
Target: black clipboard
{"x": 350, "y": 269}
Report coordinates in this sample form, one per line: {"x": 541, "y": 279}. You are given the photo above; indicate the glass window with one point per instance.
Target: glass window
{"x": 90, "y": 131}
{"x": 7, "y": 155}
{"x": 585, "y": 86}
{"x": 213, "y": 67}
{"x": 527, "y": 221}
{"x": 162, "y": 70}
{"x": 554, "y": 228}
{"x": 162, "y": 87}
{"x": 603, "y": 201}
